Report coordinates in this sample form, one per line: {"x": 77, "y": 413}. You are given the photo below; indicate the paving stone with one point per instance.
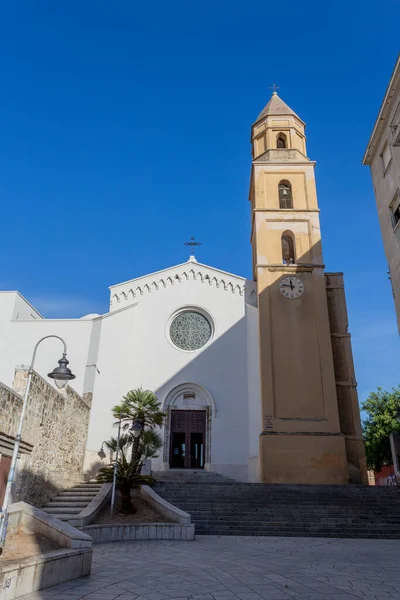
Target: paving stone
{"x": 238, "y": 568}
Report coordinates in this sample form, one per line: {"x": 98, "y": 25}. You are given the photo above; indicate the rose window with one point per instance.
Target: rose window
{"x": 190, "y": 330}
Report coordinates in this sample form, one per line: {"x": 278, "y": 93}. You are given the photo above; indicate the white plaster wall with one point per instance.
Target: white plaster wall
{"x": 18, "y": 338}
{"x": 135, "y": 351}
{"x": 254, "y": 393}
{"x": 130, "y": 348}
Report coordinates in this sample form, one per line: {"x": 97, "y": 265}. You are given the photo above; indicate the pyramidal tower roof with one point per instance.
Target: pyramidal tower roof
{"x": 276, "y": 106}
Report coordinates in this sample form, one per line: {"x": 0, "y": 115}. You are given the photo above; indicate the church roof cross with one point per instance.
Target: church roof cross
{"x": 274, "y": 87}
{"x": 192, "y": 244}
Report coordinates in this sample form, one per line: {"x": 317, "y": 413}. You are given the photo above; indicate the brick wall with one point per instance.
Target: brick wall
{"x": 54, "y": 436}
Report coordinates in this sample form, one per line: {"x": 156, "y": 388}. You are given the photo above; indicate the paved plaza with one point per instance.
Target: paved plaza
{"x": 232, "y": 568}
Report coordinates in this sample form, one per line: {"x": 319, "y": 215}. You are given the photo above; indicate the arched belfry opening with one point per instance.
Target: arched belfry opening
{"x": 281, "y": 140}
{"x": 288, "y": 248}
{"x": 285, "y": 195}
{"x": 189, "y": 409}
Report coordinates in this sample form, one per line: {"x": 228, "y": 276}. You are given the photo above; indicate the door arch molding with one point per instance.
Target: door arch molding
{"x": 203, "y": 397}
{"x": 198, "y": 398}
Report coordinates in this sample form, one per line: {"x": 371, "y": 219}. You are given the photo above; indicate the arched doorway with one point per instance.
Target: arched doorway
{"x": 189, "y": 410}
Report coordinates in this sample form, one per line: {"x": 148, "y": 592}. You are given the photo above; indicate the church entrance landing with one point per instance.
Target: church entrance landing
{"x": 187, "y": 439}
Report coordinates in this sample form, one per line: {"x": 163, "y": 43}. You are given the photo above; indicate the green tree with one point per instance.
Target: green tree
{"x": 127, "y": 478}
{"x": 128, "y": 473}
{"x": 381, "y": 407}
{"x": 142, "y": 406}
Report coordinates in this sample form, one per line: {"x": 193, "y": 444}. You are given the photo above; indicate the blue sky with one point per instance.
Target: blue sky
{"x": 124, "y": 130}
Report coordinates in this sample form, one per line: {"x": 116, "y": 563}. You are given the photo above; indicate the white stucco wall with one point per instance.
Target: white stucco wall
{"x": 135, "y": 351}
{"x": 130, "y": 347}
{"x": 18, "y": 337}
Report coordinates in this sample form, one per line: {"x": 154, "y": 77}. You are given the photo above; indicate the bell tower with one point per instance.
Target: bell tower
{"x": 301, "y": 439}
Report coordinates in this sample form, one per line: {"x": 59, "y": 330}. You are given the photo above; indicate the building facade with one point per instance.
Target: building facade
{"x": 255, "y": 376}
{"x": 383, "y": 157}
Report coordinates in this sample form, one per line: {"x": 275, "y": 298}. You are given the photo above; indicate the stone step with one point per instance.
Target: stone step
{"x": 78, "y": 494}
{"x": 194, "y": 497}
{"x": 56, "y": 511}
{"x": 232, "y": 491}
{"x": 233, "y": 508}
{"x": 361, "y": 534}
{"x": 64, "y": 516}
{"x": 56, "y": 504}
{"x": 260, "y": 501}
{"x": 344, "y": 490}
{"x": 83, "y": 490}
{"x": 317, "y": 522}
{"x": 72, "y": 501}
{"x": 295, "y": 530}
{"x": 339, "y": 531}
{"x": 249, "y": 516}
{"x": 91, "y": 486}
{"x": 260, "y": 506}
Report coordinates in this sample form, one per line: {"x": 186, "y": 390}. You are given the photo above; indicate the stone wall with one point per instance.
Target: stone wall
{"x": 53, "y": 436}
{"x": 346, "y": 385}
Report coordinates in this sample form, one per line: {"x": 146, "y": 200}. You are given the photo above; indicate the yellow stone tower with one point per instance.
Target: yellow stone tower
{"x": 306, "y": 436}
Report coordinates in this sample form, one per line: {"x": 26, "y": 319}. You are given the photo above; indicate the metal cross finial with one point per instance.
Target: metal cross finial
{"x": 192, "y": 243}
{"x": 274, "y": 87}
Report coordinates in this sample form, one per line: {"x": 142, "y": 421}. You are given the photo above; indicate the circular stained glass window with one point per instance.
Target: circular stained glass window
{"x": 190, "y": 330}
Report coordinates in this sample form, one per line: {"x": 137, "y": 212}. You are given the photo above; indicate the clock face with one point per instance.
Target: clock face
{"x": 291, "y": 287}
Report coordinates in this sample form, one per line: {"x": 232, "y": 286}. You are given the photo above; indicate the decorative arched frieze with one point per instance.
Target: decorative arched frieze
{"x": 204, "y": 277}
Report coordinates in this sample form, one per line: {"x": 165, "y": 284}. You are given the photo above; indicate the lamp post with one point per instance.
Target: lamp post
{"x": 61, "y": 375}
{"x": 114, "y": 483}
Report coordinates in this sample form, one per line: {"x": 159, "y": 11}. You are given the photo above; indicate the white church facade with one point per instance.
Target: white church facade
{"x": 188, "y": 333}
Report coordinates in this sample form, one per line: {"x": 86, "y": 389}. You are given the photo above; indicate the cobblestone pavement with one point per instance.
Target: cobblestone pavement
{"x": 244, "y": 568}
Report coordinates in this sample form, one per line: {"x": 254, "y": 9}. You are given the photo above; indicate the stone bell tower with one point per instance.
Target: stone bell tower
{"x": 303, "y": 437}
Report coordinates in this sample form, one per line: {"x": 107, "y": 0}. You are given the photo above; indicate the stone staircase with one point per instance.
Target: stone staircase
{"x": 69, "y": 503}
{"x": 220, "y": 506}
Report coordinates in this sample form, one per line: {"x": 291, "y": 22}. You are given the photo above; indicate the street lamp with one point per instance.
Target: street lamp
{"x": 101, "y": 452}
{"x": 136, "y": 428}
{"x": 61, "y": 375}
{"x": 114, "y": 483}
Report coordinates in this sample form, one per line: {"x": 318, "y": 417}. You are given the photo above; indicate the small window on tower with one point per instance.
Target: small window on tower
{"x": 281, "y": 141}
{"x": 285, "y": 195}
{"x": 287, "y": 241}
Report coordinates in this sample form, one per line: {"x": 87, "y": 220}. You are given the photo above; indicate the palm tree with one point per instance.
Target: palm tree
{"x": 144, "y": 407}
{"x": 127, "y": 478}
{"x": 150, "y": 443}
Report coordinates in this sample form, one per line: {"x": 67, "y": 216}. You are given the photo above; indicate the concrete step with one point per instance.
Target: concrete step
{"x": 78, "y": 494}
{"x": 82, "y": 490}
{"x": 233, "y": 508}
{"x": 64, "y": 516}
{"x": 73, "y": 499}
{"x": 56, "y": 504}
{"x": 56, "y": 511}
{"x": 89, "y": 486}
